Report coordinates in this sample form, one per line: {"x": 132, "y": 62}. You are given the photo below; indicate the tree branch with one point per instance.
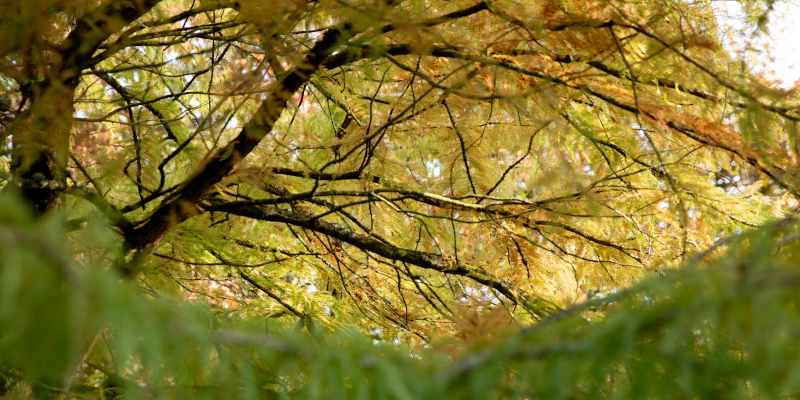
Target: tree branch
{"x": 538, "y": 307}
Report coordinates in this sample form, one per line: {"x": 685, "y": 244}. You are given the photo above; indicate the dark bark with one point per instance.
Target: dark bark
{"x": 182, "y": 204}
{"x": 41, "y": 135}
{"x": 372, "y": 245}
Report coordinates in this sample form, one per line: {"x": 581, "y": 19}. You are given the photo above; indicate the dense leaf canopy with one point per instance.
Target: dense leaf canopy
{"x": 534, "y": 199}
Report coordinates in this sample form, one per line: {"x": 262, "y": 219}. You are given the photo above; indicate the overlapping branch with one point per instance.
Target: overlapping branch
{"x": 372, "y": 245}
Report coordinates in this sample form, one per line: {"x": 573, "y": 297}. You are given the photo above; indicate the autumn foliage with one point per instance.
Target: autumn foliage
{"x": 284, "y": 198}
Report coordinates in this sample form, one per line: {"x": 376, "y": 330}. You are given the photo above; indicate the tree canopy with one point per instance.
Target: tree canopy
{"x": 399, "y": 199}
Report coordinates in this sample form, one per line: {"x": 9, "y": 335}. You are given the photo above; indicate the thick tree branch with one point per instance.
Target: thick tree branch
{"x": 94, "y": 28}
{"x": 538, "y": 307}
{"x": 41, "y": 140}
{"x": 181, "y": 205}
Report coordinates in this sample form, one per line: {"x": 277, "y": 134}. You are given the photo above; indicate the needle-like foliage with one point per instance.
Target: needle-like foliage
{"x": 385, "y": 199}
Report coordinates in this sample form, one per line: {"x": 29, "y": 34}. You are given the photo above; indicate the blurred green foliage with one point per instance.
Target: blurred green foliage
{"x": 724, "y": 326}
